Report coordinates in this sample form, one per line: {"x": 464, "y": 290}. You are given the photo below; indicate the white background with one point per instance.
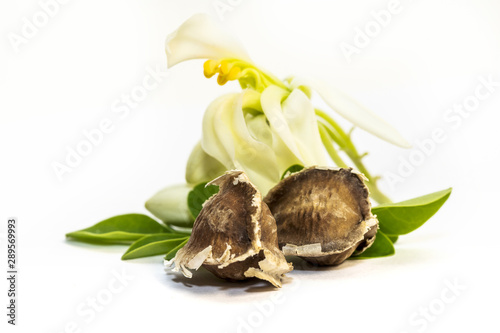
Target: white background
{"x": 64, "y": 79}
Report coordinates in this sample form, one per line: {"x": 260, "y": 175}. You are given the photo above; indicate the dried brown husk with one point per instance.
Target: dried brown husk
{"x": 234, "y": 236}
{"x": 323, "y": 214}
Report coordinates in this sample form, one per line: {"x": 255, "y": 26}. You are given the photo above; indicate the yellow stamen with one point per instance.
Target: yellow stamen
{"x": 225, "y": 67}
{"x": 221, "y": 79}
{"x": 234, "y": 74}
{"x": 210, "y": 67}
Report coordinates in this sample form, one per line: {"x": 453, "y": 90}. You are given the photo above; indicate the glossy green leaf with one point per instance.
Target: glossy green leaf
{"x": 294, "y": 168}
{"x": 170, "y": 255}
{"x": 153, "y": 245}
{"x": 198, "y": 195}
{"x": 404, "y": 217}
{"x": 381, "y": 247}
{"x": 121, "y": 229}
{"x": 393, "y": 238}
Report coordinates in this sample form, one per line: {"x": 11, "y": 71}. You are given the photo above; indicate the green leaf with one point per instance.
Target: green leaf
{"x": 381, "y": 247}
{"x": 198, "y": 195}
{"x": 294, "y": 168}
{"x": 121, "y": 229}
{"x": 153, "y": 245}
{"x": 404, "y": 217}
{"x": 393, "y": 238}
{"x": 170, "y": 255}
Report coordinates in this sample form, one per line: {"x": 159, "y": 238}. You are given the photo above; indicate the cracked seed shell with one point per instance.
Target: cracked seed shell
{"x": 323, "y": 214}
{"x": 234, "y": 236}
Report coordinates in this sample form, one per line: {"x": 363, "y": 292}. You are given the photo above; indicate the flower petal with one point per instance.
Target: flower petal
{"x": 253, "y": 156}
{"x": 258, "y": 128}
{"x": 353, "y": 111}
{"x": 217, "y": 135}
{"x": 227, "y": 138}
{"x": 283, "y": 138}
{"x": 202, "y": 167}
{"x": 170, "y": 205}
{"x": 301, "y": 119}
{"x": 201, "y": 37}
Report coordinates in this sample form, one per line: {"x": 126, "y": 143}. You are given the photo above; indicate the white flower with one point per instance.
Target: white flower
{"x": 263, "y": 130}
{"x": 353, "y": 111}
{"x": 200, "y": 37}
{"x": 294, "y": 124}
{"x": 261, "y": 135}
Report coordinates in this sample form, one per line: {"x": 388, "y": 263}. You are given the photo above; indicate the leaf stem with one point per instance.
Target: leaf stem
{"x": 329, "y": 127}
{"x": 262, "y": 78}
{"x": 325, "y": 137}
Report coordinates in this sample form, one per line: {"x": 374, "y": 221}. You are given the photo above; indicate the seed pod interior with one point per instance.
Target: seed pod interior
{"x": 323, "y": 214}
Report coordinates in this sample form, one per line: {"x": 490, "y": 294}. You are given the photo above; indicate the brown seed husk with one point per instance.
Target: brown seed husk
{"x": 323, "y": 214}
{"x": 234, "y": 236}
